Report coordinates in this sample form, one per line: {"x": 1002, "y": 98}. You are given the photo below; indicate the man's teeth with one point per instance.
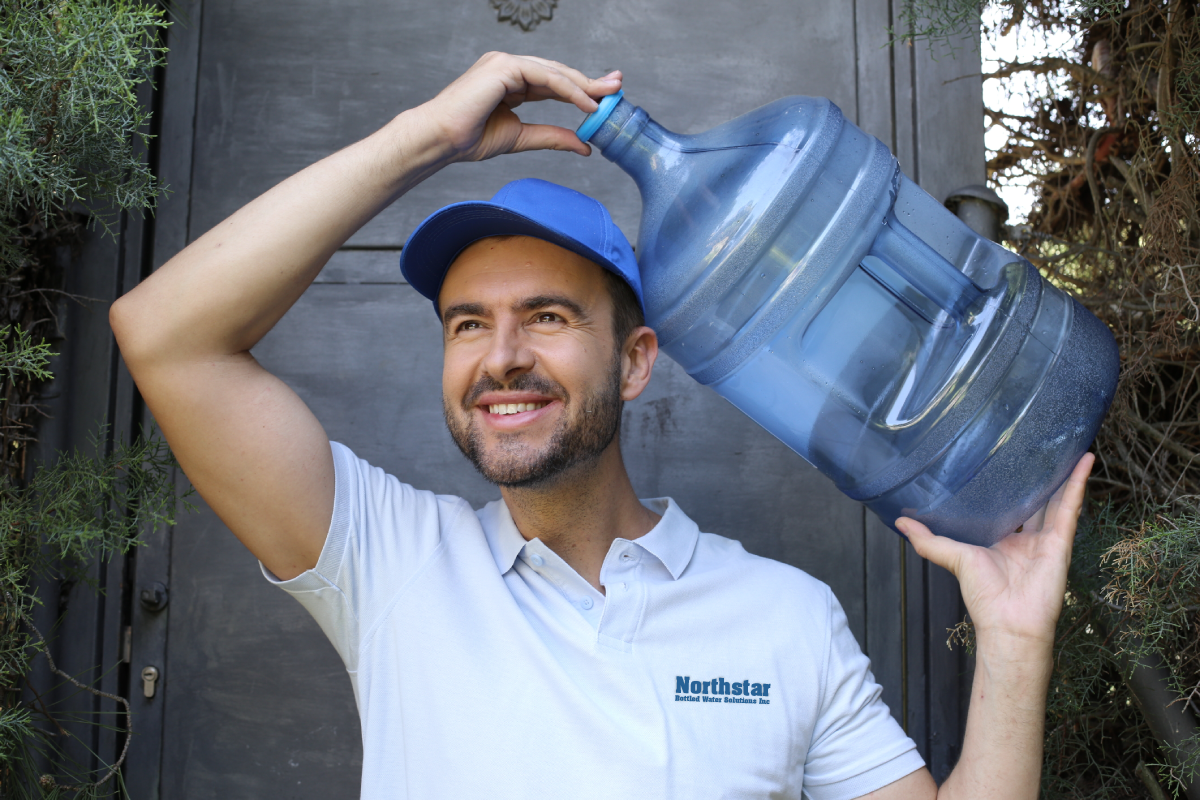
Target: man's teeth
{"x": 513, "y": 408}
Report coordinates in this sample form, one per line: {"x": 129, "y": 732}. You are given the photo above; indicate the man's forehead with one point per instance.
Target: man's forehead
{"x": 511, "y": 268}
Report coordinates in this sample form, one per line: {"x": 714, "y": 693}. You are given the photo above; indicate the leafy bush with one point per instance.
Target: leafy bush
{"x": 71, "y": 127}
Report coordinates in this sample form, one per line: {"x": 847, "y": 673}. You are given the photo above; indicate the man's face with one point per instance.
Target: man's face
{"x": 532, "y": 381}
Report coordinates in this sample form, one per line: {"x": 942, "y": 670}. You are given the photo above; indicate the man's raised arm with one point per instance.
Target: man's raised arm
{"x": 1014, "y": 592}
{"x": 248, "y": 444}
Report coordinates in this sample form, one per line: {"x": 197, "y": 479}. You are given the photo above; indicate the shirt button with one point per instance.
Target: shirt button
{"x": 536, "y": 560}
{"x": 626, "y": 557}
{"x": 586, "y": 603}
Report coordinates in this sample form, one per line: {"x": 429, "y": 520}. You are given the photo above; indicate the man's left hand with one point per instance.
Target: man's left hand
{"x": 1014, "y": 588}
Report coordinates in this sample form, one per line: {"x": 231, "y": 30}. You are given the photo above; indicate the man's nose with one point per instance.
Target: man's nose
{"x": 509, "y": 353}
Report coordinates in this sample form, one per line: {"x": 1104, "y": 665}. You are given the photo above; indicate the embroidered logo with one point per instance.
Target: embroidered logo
{"x": 719, "y": 690}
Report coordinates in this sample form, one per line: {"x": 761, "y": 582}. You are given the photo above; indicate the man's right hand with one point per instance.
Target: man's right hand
{"x": 247, "y": 442}
{"x": 476, "y": 114}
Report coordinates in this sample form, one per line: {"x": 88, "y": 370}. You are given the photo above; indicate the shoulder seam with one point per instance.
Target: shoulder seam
{"x": 828, "y": 646}
{"x": 366, "y": 637}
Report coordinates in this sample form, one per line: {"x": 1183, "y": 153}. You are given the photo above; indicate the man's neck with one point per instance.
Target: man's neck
{"x": 579, "y": 515}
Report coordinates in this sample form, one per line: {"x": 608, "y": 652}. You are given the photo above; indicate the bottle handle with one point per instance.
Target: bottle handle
{"x": 917, "y": 274}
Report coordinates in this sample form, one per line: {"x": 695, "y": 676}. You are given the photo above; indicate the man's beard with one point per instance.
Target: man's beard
{"x": 511, "y": 464}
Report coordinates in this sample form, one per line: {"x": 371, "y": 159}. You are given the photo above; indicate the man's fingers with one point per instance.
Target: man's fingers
{"x": 592, "y": 88}
{"x": 939, "y": 550}
{"x": 542, "y": 79}
{"x": 1070, "y": 496}
{"x": 475, "y": 112}
{"x": 1066, "y": 503}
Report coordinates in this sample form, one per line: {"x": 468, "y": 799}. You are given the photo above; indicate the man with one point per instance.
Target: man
{"x": 569, "y": 640}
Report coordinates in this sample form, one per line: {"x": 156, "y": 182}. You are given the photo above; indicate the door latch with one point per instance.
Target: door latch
{"x": 154, "y": 597}
{"x": 149, "y": 680}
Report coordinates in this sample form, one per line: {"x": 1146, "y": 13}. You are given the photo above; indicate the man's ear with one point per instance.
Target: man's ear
{"x": 637, "y": 361}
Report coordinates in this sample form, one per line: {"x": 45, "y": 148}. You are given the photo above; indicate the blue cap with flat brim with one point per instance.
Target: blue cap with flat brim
{"x": 528, "y": 207}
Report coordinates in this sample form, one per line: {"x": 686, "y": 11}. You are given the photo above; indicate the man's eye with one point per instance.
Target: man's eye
{"x": 469, "y": 325}
{"x": 547, "y": 316}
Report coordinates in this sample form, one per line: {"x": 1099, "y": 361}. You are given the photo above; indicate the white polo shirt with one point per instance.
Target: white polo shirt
{"x": 485, "y": 667}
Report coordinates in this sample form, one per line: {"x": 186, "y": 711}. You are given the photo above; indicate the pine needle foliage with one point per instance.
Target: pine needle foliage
{"x": 1109, "y": 140}
{"x": 1134, "y": 594}
{"x": 72, "y": 129}
{"x": 78, "y": 510}
{"x": 69, "y": 113}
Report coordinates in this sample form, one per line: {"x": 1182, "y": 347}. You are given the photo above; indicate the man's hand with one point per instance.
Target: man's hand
{"x": 475, "y": 113}
{"x": 1014, "y": 588}
{"x": 1014, "y": 593}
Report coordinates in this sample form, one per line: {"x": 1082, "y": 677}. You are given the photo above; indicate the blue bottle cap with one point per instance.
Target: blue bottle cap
{"x": 597, "y": 117}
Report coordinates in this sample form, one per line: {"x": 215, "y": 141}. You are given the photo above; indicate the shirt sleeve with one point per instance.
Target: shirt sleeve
{"x": 857, "y": 746}
{"x": 380, "y": 535}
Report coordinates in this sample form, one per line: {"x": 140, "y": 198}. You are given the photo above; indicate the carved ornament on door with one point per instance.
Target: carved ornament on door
{"x": 526, "y": 13}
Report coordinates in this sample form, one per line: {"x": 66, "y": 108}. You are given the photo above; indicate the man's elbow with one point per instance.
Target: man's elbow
{"x": 134, "y": 328}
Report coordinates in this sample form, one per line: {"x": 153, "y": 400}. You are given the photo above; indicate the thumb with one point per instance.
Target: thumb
{"x": 549, "y": 137}
{"x": 946, "y": 553}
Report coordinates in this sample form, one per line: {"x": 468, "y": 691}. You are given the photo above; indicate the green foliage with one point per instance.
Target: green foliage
{"x": 1134, "y": 594}
{"x": 72, "y": 130}
{"x": 1155, "y": 569}
{"x": 1153, "y": 596}
{"x": 68, "y": 515}
{"x": 20, "y": 357}
{"x": 938, "y": 22}
{"x": 1135, "y": 580}
{"x": 69, "y": 113}
{"x": 82, "y": 508}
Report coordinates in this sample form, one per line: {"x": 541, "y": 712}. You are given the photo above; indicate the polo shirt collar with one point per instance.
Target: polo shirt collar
{"x": 672, "y": 541}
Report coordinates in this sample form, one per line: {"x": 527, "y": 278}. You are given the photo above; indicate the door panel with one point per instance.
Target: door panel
{"x": 283, "y": 84}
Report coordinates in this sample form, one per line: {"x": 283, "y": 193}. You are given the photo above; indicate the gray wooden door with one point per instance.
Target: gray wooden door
{"x": 253, "y": 701}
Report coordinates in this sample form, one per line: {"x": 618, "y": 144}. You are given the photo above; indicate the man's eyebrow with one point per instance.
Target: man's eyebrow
{"x": 546, "y": 300}
{"x": 463, "y": 310}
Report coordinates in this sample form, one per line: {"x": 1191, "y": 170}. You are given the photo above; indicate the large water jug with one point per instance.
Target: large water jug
{"x": 788, "y": 263}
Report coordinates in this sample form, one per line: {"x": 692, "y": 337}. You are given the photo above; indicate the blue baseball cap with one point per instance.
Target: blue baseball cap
{"x": 528, "y": 207}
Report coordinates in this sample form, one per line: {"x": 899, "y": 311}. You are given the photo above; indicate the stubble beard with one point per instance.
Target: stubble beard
{"x": 511, "y": 462}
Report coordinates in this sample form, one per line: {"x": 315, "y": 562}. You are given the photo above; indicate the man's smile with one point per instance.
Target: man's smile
{"x": 509, "y": 410}
{"x": 513, "y": 408}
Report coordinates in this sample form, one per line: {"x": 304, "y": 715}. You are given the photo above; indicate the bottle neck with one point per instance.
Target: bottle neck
{"x": 632, "y": 141}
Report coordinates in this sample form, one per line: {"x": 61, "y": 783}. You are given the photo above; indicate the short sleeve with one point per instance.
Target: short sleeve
{"x": 382, "y": 531}
{"x": 857, "y": 746}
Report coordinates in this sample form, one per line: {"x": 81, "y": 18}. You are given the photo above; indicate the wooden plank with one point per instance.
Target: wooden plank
{"x": 916, "y": 649}
{"x": 112, "y": 602}
{"x": 945, "y": 669}
{"x": 903, "y": 71}
{"x": 150, "y": 564}
{"x": 884, "y": 612}
{"x": 173, "y": 161}
{"x": 883, "y": 597}
{"x": 75, "y": 617}
{"x": 93, "y": 405}
{"x": 873, "y": 69}
{"x": 947, "y": 86}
